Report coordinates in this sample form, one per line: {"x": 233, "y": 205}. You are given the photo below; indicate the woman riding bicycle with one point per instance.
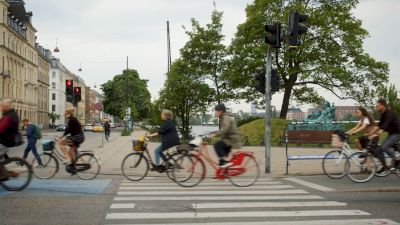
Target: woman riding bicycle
{"x": 366, "y": 123}
{"x": 228, "y": 133}
{"x": 72, "y": 137}
{"x": 169, "y": 138}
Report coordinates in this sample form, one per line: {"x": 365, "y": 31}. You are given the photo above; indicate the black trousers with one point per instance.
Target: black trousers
{"x": 222, "y": 149}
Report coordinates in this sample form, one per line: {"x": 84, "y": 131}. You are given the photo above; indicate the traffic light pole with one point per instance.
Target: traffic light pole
{"x": 268, "y": 110}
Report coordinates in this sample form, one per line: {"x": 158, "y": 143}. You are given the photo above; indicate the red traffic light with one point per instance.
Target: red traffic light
{"x": 68, "y": 83}
{"x": 77, "y": 89}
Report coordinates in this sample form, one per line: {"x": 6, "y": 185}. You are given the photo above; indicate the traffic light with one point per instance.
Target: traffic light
{"x": 77, "y": 94}
{"x": 275, "y": 81}
{"x": 295, "y": 29}
{"x": 69, "y": 90}
{"x": 274, "y": 38}
{"x": 260, "y": 82}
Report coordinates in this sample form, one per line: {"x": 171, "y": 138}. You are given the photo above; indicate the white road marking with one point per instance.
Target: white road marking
{"x": 259, "y": 183}
{"x": 219, "y": 198}
{"x": 202, "y": 188}
{"x": 265, "y": 204}
{"x": 310, "y": 185}
{"x": 252, "y": 214}
{"x": 122, "y": 206}
{"x": 190, "y": 192}
{"x": 306, "y": 222}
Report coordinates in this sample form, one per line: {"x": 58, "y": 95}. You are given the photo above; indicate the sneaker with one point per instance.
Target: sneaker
{"x": 161, "y": 169}
{"x": 381, "y": 171}
{"x": 226, "y": 165}
{"x": 39, "y": 166}
{"x": 154, "y": 168}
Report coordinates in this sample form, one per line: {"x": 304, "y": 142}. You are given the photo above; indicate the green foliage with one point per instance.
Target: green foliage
{"x": 331, "y": 56}
{"x": 153, "y": 121}
{"x": 391, "y": 95}
{"x": 126, "y": 133}
{"x": 206, "y": 56}
{"x": 184, "y": 95}
{"x": 255, "y": 130}
{"x": 241, "y": 122}
{"x": 53, "y": 117}
{"x": 127, "y": 90}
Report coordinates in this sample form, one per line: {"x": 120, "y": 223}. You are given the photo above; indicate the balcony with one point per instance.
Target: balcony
{"x": 5, "y": 73}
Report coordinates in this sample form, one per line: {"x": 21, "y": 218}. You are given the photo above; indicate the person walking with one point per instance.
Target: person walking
{"x": 32, "y": 134}
{"x": 107, "y": 130}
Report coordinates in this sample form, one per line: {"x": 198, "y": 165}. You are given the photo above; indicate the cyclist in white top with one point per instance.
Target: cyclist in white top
{"x": 366, "y": 124}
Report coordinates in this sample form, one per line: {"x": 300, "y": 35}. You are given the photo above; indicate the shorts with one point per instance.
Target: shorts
{"x": 77, "y": 139}
{"x": 365, "y": 142}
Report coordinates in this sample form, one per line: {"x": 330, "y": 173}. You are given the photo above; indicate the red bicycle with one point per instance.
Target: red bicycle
{"x": 243, "y": 172}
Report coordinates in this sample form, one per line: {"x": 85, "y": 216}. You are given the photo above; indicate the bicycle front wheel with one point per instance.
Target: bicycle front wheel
{"x": 19, "y": 174}
{"x": 48, "y": 169}
{"x": 334, "y": 164}
{"x": 190, "y": 172}
{"x": 361, "y": 167}
{"x": 89, "y": 161}
{"x": 135, "y": 166}
{"x": 245, "y": 174}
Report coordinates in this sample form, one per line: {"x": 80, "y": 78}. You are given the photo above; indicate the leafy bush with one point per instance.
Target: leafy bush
{"x": 241, "y": 122}
{"x": 255, "y": 130}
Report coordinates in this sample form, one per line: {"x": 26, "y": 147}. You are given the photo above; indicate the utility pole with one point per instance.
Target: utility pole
{"x": 126, "y": 92}
{"x": 169, "y": 47}
{"x": 268, "y": 110}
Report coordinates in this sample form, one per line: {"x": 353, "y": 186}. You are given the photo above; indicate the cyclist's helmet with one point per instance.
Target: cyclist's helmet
{"x": 220, "y": 107}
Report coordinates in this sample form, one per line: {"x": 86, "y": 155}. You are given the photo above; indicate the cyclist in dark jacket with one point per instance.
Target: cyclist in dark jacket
{"x": 169, "y": 138}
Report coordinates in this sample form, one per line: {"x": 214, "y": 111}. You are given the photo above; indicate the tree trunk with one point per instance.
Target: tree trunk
{"x": 285, "y": 102}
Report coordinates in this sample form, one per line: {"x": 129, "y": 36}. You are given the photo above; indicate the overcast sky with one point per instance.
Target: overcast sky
{"x": 99, "y": 34}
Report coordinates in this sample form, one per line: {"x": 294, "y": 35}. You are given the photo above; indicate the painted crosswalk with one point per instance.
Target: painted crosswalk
{"x": 268, "y": 202}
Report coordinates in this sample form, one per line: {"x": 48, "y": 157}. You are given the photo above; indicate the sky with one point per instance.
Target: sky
{"x": 98, "y": 35}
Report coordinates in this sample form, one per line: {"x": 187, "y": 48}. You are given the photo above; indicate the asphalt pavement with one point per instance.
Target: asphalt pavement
{"x": 111, "y": 199}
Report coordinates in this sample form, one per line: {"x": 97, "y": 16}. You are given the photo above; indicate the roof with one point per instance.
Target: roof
{"x": 17, "y": 9}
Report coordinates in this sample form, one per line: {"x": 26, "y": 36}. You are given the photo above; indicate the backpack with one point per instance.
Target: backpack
{"x": 37, "y": 133}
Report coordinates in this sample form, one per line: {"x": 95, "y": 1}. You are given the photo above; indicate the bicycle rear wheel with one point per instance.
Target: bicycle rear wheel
{"x": 135, "y": 166}
{"x": 245, "y": 174}
{"x": 48, "y": 169}
{"x": 334, "y": 164}
{"x": 190, "y": 172}
{"x": 19, "y": 174}
{"x": 174, "y": 160}
{"x": 90, "y": 161}
{"x": 361, "y": 167}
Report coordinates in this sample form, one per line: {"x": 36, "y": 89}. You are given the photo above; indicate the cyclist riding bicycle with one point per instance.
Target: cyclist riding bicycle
{"x": 169, "y": 138}
{"x": 228, "y": 133}
{"x": 366, "y": 123}
{"x": 72, "y": 137}
{"x": 9, "y": 134}
{"x": 390, "y": 123}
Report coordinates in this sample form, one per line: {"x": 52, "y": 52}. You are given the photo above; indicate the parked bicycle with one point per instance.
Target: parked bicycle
{"x": 191, "y": 171}
{"x": 85, "y": 164}
{"x": 136, "y": 165}
{"x": 19, "y": 172}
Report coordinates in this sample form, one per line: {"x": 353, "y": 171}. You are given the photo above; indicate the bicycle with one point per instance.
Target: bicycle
{"x": 136, "y": 165}
{"x": 18, "y": 172}
{"x": 85, "y": 164}
{"x": 243, "y": 163}
{"x": 362, "y": 166}
{"x": 334, "y": 162}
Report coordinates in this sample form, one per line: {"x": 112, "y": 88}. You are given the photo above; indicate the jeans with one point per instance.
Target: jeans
{"x": 32, "y": 146}
{"x": 390, "y": 141}
{"x": 222, "y": 150}
{"x": 158, "y": 153}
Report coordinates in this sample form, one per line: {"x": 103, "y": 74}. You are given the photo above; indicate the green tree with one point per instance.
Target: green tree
{"x": 53, "y": 117}
{"x": 206, "y": 56}
{"x": 391, "y": 95}
{"x": 184, "y": 95}
{"x": 331, "y": 56}
{"x": 127, "y": 89}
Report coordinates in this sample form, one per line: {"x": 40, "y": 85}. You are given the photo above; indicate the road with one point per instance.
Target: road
{"x": 110, "y": 199}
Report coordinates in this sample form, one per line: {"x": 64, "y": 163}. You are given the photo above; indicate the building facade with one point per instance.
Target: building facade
{"x": 342, "y": 111}
{"x": 43, "y": 86}
{"x": 18, "y": 58}
{"x": 57, "y": 99}
{"x": 295, "y": 114}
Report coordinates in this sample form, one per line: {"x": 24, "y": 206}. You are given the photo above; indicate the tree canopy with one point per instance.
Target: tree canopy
{"x": 127, "y": 90}
{"x": 331, "y": 56}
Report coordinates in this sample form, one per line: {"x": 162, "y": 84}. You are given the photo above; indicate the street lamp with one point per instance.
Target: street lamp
{"x": 56, "y": 49}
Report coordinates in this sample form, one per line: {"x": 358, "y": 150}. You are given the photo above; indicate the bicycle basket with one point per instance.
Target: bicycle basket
{"x": 138, "y": 145}
{"x": 48, "y": 145}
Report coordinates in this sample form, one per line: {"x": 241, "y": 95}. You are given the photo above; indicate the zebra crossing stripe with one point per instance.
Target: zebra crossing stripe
{"x": 219, "y": 198}
{"x": 122, "y": 206}
{"x": 310, "y": 185}
{"x": 247, "y": 214}
{"x": 202, "y": 188}
{"x": 190, "y": 192}
{"x": 265, "y": 204}
{"x": 306, "y": 222}
{"x": 259, "y": 183}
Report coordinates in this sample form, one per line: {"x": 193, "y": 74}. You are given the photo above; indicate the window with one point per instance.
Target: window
{"x": 53, "y": 96}
{"x": 53, "y": 108}
{"x": 53, "y": 84}
{"x": 54, "y": 74}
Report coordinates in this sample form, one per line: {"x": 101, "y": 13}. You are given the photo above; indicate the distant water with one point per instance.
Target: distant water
{"x": 198, "y": 130}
